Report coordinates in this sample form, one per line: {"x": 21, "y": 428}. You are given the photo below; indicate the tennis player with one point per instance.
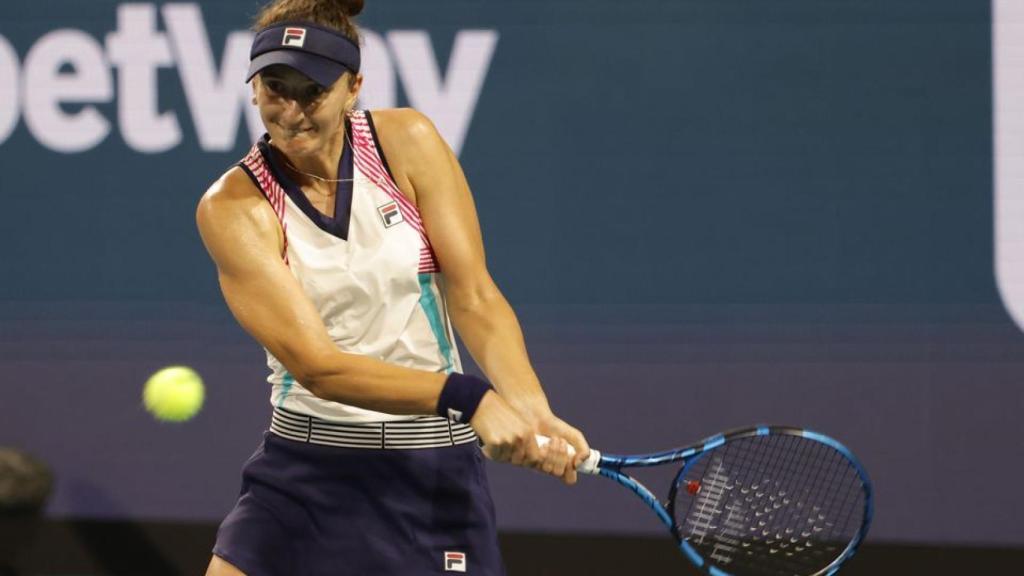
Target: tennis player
{"x": 347, "y": 244}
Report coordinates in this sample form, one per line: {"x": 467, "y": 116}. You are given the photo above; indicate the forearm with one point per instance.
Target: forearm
{"x": 491, "y": 332}
{"x": 373, "y": 384}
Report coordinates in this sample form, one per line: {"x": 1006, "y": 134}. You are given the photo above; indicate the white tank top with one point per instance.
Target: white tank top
{"x": 369, "y": 271}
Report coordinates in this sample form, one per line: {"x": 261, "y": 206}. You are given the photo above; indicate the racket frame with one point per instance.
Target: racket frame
{"x": 610, "y": 466}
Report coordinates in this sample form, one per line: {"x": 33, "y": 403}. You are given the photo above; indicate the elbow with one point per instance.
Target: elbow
{"x": 311, "y": 371}
{"x": 308, "y": 379}
{"x": 313, "y": 378}
{"x": 475, "y": 298}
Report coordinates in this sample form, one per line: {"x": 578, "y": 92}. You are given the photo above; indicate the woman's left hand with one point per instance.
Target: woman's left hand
{"x": 557, "y": 461}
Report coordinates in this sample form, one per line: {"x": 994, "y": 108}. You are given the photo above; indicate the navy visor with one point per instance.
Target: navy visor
{"x": 320, "y": 53}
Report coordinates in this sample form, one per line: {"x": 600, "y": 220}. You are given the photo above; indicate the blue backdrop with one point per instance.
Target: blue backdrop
{"x": 708, "y": 213}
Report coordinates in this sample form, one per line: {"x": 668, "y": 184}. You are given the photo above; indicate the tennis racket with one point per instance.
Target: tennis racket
{"x": 761, "y": 501}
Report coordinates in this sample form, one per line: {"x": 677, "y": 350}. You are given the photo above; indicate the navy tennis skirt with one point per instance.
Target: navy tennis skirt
{"x": 312, "y": 510}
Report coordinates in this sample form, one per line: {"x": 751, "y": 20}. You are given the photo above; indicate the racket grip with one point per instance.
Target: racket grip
{"x": 588, "y": 466}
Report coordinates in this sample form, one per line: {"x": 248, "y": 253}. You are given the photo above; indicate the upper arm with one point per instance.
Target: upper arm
{"x": 421, "y": 157}
{"x": 242, "y": 235}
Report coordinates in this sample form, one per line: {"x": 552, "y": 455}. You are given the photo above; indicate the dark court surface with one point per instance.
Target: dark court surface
{"x": 91, "y": 548}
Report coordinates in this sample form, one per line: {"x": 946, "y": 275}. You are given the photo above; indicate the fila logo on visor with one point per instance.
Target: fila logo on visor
{"x": 454, "y": 562}
{"x": 390, "y": 214}
{"x": 294, "y": 37}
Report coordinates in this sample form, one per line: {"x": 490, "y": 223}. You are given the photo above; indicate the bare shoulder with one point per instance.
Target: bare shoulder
{"x": 404, "y": 121}
{"x": 233, "y": 195}
{"x": 414, "y": 148}
{"x": 402, "y": 128}
{"x": 233, "y": 209}
{"x": 232, "y": 189}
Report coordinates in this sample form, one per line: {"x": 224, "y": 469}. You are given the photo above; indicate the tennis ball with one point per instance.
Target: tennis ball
{"x": 174, "y": 394}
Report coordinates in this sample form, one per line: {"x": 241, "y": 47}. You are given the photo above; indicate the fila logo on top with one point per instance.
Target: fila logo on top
{"x": 390, "y": 214}
{"x": 294, "y": 37}
{"x": 454, "y": 562}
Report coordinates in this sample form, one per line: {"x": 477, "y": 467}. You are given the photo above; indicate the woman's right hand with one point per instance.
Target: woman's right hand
{"x": 506, "y": 436}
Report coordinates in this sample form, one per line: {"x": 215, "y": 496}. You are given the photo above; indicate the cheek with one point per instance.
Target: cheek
{"x": 328, "y": 120}
{"x": 267, "y": 112}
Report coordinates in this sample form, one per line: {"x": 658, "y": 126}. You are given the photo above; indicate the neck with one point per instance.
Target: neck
{"x": 321, "y": 166}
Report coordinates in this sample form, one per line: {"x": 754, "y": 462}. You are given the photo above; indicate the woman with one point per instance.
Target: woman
{"x": 344, "y": 242}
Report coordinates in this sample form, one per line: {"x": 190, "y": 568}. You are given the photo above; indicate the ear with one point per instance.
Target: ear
{"x": 354, "y": 88}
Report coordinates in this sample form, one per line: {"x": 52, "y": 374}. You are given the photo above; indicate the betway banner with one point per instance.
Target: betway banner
{"x": 70, "y": 68}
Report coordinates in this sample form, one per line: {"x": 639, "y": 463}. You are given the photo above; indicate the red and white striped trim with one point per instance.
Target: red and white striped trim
{"x": 272, "y": 191}
{"x": 369, "y": 162}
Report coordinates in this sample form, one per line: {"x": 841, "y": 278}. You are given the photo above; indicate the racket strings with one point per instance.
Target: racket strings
{"x": 824, "y": 505}
{"x": 728, "y": 546}
{"x": 788, "y": 531}
{"x": 771, "y": 505}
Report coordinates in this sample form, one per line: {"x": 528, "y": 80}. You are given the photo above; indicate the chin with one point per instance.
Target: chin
{"x": 300, "y": 146}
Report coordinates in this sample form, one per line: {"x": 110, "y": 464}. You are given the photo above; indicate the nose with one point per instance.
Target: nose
{"x": 292, "y": 111}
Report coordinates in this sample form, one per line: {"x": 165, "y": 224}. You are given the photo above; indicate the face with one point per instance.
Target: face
{"x": 301, "y": 116}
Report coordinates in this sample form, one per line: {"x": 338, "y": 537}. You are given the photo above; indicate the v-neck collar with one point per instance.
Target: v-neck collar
{"x": 337, "y": 225}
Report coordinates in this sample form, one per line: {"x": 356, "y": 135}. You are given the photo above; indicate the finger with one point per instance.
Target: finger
{"x": 579, "y": 443}
{"x": 547, "y": 467}
{"x": 495, "y": 452}
{"x": 535, "y": 455}
{"x": 508, "y": 451}
{"x": 559, "y": 457}
{"x": 561, "y": 461}
{"x": 552, "y": 463}
{"x": 570, "y": 476}
{"x": 518, "y": 454}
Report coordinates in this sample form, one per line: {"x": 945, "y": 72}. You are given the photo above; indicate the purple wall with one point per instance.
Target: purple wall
{"x": 927, "y": 405}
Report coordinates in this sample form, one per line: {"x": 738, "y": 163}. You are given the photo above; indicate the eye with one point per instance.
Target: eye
{"x": 313, "y": 92}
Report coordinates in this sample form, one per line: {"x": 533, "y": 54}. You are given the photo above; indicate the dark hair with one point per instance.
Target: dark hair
{"x": 336, "y": 14}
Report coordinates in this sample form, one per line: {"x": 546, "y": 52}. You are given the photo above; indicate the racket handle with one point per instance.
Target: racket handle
{"x": 588, "y": 466}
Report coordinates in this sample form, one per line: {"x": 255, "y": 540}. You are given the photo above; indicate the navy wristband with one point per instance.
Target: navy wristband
{"x": 460, "y": 396}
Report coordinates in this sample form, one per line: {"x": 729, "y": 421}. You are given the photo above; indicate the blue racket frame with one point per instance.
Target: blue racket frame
{"x": 610, "y": 466}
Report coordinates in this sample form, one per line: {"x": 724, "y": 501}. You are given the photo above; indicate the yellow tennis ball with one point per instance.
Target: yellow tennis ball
{"x": 174, "y": 394}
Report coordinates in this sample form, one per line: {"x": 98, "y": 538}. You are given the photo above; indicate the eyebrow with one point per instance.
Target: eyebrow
{"x": 286, "y": 78}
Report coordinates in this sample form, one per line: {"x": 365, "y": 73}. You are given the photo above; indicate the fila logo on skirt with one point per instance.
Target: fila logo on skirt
{"x": 454, "y": 562}
{"x": 390, "y": 214}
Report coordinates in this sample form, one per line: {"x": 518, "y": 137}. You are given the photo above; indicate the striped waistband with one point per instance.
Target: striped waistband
{"x": 426, "y": 432}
